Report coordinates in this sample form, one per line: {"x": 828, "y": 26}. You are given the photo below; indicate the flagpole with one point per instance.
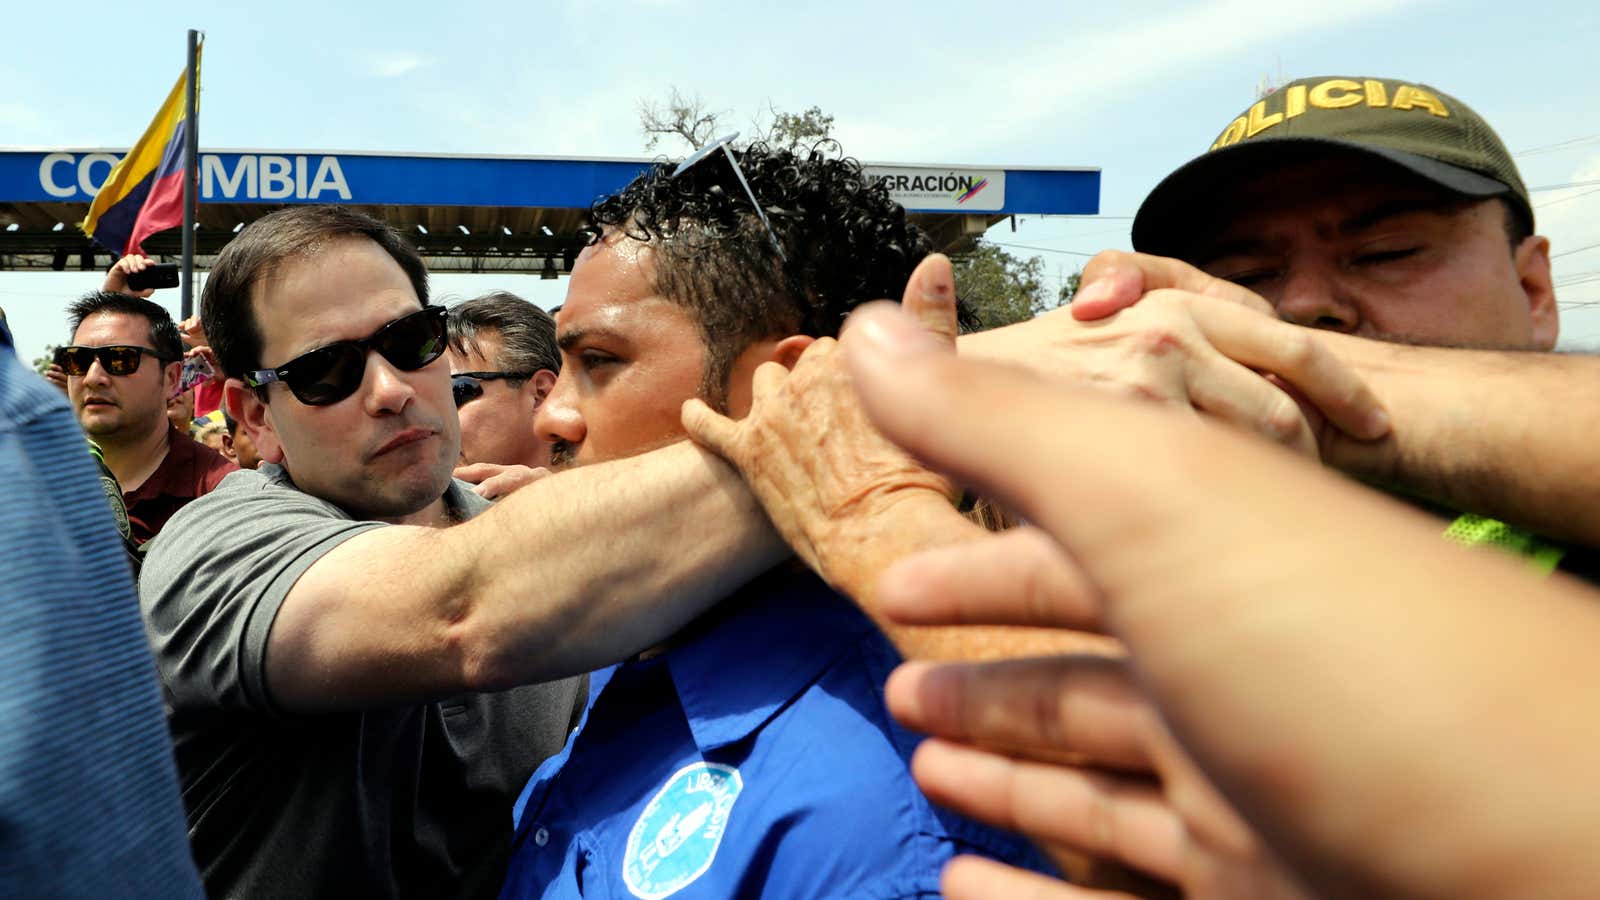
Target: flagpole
{"x": 191, "y": 168}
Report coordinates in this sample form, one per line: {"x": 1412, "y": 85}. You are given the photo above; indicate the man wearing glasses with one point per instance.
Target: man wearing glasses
{"x": 121, "y": 367}
{"x": 328, "y": 648}
{"x": 503, "y": 362}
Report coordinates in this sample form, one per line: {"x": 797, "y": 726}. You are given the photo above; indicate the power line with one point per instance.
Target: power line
{"x": 1574, "y": 250}
{"x": 1565, "y": 199}
{"x": 1562, "y": 187}
{"x": 1042, "y": 249}
{"x": 1560, "y": 145}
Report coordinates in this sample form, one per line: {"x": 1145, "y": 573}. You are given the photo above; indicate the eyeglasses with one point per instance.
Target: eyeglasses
{"x": 466, "y": 387}
{"x": 118, "y": 359}
{"x": 722, "y": 143}
{"x": 329, "y": 374}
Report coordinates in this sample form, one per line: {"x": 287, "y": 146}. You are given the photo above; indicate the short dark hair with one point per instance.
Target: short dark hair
{"x": 1519, "y": 226}
{"x": 845, "y": 240}
{"x": 225, "y": 304}
{"x": 527, "y": 333}
{"x": 164, "y": 337}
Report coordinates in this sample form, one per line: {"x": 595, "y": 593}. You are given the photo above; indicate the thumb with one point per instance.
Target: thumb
{"x": 709, "y": 428}
{"x": 930, "y": 297}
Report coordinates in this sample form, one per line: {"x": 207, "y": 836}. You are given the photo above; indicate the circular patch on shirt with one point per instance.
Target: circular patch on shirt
{"x": 677, "y": 836}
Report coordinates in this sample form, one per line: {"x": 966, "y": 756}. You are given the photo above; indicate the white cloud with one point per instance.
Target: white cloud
{"x": 393, "y": 63}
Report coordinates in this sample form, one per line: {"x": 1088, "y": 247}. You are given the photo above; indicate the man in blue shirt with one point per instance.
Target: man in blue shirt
{"x": 88, "y": 794}
{"x": 752, "y": 753}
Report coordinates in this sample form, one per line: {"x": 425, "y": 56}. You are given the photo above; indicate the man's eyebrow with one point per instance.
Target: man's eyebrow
{"x": 569, "y": 339}
{"x": 1245, "y": 246}
{"x": 1379, "y": 214}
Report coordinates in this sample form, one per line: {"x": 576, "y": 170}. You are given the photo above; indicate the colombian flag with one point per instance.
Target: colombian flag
{"x": 144, "y": 193}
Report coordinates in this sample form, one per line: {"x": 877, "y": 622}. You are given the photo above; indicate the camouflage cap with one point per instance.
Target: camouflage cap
{"x": 1413, "y": 126}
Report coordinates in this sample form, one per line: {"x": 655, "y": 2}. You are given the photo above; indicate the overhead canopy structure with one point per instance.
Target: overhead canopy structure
{"x": 465, "y": 213}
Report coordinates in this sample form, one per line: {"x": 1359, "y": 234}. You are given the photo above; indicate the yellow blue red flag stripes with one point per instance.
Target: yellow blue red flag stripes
{"x": 144, "y": 193}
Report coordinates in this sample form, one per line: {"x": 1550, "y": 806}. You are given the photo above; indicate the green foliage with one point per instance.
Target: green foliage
{"x": 40, "y": 364}
{"x": 1001, "y": 288}
{"x": 796, "y": 131}
{"x": 1069, "y": 288}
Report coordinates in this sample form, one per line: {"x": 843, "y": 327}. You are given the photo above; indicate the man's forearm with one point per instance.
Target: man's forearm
{"x": 571, "y": 573}
{"x": 1503, "y": 434}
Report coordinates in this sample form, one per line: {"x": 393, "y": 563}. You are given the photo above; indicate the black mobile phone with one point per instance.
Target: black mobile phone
{"x": 160, "y": 275}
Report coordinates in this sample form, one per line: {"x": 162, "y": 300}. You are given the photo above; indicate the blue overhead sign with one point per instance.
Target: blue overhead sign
{"x": 73, "y": 176}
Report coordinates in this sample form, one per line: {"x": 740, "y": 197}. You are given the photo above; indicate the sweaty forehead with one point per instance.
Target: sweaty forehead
{"x": 346, "y": 290}
{"x": 105, "y": 328}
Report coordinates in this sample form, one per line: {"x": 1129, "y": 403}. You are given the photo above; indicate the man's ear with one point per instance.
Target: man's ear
{"x": 170, "y": 375}
{"x": 1532, "y": 259}
{"x": 254, "y": 417}
{"x": 538, "y": 387}
{"x": 787, "y": 351}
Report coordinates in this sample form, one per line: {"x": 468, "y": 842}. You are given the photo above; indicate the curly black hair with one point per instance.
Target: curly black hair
{"x": 844, "y": 243}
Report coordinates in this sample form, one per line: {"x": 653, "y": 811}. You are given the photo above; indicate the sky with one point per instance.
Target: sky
{"x": 1133, "y": 88}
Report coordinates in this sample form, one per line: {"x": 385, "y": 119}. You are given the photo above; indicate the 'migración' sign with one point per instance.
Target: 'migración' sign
{"x": 953, "y": 190}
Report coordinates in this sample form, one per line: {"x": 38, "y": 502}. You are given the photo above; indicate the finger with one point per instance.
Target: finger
{"x": 1105, "y": 816}
{"x": 476, "y": 472}
{"x": 1232, "y": 393}
{"x": 709, "y": 428}
{"x": 1106, "y": 286}
{"x": 1300, "y": 357}
{"x": 977, "y": 878}
{"x": 499, "y": 485}
{"x": 1131, "y": 276}
{"x": 1010, "y": 433}
{"x": 930, "y": 297}
{"x": 960, "y": 584}
{"x": 1080, "y": 710}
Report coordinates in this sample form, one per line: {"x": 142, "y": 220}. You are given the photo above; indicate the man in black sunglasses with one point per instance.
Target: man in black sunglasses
{"x": 336, "y": 659}
{"x": 121, "y": 368}
{"x": 503, "y": 362}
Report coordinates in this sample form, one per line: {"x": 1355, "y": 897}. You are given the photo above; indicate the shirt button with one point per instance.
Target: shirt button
{"x": 541, "y": 836}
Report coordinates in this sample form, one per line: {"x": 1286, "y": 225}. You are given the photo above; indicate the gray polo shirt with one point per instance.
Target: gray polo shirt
{"x": 407, "y": 801}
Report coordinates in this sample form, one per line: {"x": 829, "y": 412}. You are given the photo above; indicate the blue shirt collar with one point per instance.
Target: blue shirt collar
{"x": 759, "y": 650}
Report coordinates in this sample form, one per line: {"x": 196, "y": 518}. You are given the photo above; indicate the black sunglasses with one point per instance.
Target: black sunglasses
{"x": 118, "y": 359}
{"x": 466, "y": 387}
{"x": 724, "y": 144}
{"x": 329, "y": 374}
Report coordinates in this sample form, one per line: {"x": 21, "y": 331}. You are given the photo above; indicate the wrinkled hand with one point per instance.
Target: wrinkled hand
{"x": 56, "y": 376}
{"x": 1201, "y": 349}
{"x": 493, "y": 481}
{"x": 806, "y": 449}
{"x": 117, "y": 278}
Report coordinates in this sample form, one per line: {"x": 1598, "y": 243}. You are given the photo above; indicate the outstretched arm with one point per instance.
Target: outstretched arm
{"x": 1309, "y": 663}
{"x": 1503, "y": 434}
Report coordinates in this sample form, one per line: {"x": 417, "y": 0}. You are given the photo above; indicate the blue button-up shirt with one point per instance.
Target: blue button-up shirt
{"x": 755, "y": 758}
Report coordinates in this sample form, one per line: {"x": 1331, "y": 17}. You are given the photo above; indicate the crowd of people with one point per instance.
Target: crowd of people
{"x": 1261, "y": 570}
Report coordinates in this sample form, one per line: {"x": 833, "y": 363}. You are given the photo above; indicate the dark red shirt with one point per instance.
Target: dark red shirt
{"x": 189, "y": 470}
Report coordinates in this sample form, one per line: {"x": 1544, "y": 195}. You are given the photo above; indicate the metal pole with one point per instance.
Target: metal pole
{"x": 191, "y": 166}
